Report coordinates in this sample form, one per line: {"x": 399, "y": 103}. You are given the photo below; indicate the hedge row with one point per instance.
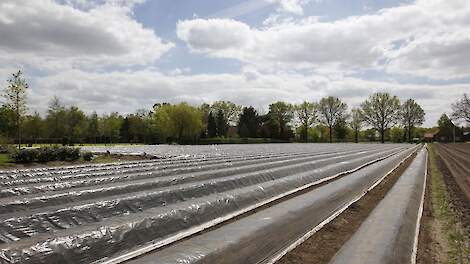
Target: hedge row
{"x": 46, "y": 154}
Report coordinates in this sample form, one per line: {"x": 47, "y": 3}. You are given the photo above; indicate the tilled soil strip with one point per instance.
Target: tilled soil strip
{"x": 323, "y": 245}
{"x": 459, "y": 201}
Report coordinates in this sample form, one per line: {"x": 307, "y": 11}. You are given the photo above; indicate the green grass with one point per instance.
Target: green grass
{"x": 5, "y": 160}
{"x": 457, "y": 239}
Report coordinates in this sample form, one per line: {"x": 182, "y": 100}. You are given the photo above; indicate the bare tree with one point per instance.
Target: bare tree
{"x": 331, "y": 109}
{"x": 461, "y": 109}
{"x": 356, "y": 122}
{"x": 381, "y": 111}
{"x": 307, "y": 114}
{"x": 15, "y": 95}
{"x": 411, "y": 115}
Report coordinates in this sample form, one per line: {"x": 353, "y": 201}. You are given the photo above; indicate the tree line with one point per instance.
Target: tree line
{"x": 380, "y": 117}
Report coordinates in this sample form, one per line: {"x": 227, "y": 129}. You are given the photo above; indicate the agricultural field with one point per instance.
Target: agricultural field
{"x": 454, "y": 162}
{"x": 210, "y": 204}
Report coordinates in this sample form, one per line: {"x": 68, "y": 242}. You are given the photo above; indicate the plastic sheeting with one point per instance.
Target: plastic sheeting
{"x": 84, "y": 232}
{"x": 260, "y": 237}
{"x": 389, "y": 234}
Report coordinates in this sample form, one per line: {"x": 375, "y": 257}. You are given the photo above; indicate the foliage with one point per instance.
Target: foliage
{"x": 381, "y": 111}
{"x": 15, "y": 95}
{"x": 331, "y": 109}
{"x": 222, "y": 124}
{"x": 307, "y": 114}
{"x": 340, "y": 129}
{"x": 46, "y": 154}
{"x": 230, "y": 111}
{"x": 281, "y": 114}
{"x": 179, "y": 122}
{"x": 411, "y": 115}
{"x": 356, "y": 122}
{"x": 211, "y": 126}
{"x": 249, "y": 123}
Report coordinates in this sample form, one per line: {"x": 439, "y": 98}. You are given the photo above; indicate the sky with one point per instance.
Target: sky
{"x": 125, "y": 55}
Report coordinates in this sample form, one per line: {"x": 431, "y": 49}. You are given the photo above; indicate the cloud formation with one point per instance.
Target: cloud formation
{"x": 426, "y": 38}
{"x": 57, "y": 36}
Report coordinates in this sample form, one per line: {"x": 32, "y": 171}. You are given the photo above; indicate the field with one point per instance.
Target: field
{"x": 455, "y": 166}
{"x": 212, "y": 204}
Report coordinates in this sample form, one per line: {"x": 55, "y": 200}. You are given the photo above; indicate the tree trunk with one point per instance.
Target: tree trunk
{"x": 356, "y": 136}
{"x": 331, "y": 134}
{"x": 382, "y": 135}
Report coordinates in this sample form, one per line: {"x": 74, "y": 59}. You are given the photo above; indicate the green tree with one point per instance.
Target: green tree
{"x": 412, "y": 115}
{"x": 331, "y": 109}
{"x": 180, "y": 121}
{"x": 381, "y": 111}
{"x": 56, "y": 119}
{"x": 211, "y": 126}
{"x": 33, "y": 127}
{"x": 222, "y": 124}
{"x": 307, "y": 114}
{"x": 231, "y": 111}
{"x": 7, "y": 122}
{"x": 249, "y": 123}
{"x": 76, "y": 124}
{"x": 110, "y": 126}
{"x": 356, "y": 122}
{"x": 93, "y": 127}
{"x": 15, "y": 95}
{"x": 340, "y": 129}
{"x": 281, "y": 114}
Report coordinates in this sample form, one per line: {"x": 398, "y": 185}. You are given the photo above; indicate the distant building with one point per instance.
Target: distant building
{"x": 431, "y": 136}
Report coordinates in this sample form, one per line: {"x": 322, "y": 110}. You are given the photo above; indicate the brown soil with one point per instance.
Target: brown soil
{"x": 324, "y": 244}
{"x": 454, "y": 165}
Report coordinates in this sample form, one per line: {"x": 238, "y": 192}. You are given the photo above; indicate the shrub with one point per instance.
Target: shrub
{"x": 25, "y": 155}
{"x": 87, "y": 156}
{"x": 46, "y": 154}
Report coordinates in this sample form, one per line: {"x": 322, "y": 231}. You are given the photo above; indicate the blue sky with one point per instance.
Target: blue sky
{"x": 124, "y": 55}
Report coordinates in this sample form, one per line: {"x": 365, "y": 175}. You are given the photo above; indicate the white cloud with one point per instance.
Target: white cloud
{"x": 127, "y": 91}
{"x": 56, "y": 36}
{"x": 425, "y": 38}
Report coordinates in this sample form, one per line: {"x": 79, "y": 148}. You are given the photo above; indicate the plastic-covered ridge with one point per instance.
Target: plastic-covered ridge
{"x": 389, "y": 233}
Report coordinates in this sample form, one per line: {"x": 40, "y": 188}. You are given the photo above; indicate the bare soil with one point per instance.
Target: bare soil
{"x": 323, "y": 245}
{"x": 454, "y": 164}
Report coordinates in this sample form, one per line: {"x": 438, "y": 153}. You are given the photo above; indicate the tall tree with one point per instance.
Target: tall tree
{"x": 307, "y": 114}
{"x": 93, "y": 127}
{"x": 412, "y": 115}
{"x": 461, "y": 109}
{"x": 77, "y": 125}
{"x": 56, "y": 119}
{"x": 381, "y": 111}
{"x": 222, "y": 124}
{"x": 248, "y": 123}
{"x": 356, "y": 122}
{"x": 180, "y": 121}
{"x": 211, "y": 126}
{"x": 340, "y": 129}
{"x": 281, "y": 113}
{"x": 33, "y": 127}
{"x": 230, "y": 110}
{"x": 15, "y": 95}
{"x": 331, "y": 109}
